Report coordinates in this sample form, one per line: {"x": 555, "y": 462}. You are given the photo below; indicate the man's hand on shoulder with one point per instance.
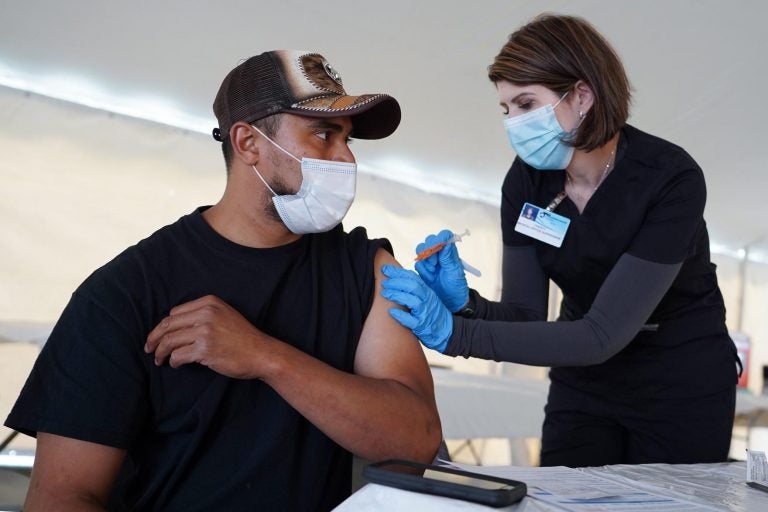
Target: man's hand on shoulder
{"x": 210, "y": 332}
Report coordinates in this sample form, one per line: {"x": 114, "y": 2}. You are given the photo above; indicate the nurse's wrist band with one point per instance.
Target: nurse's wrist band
{"x": 468, "y": 310}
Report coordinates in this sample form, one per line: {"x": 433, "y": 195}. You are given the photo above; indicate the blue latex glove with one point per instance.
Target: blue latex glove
{"x": 428, "y": 317}
{"x": 443, "y": 271}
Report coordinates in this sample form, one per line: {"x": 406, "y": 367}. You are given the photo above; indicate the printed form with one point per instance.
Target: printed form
{"x": 570, "y": 489}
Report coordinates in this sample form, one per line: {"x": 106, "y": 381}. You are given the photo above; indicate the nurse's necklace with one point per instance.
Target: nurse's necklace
{"x": 602, "y": 177}
{"x": 562, "y": 195}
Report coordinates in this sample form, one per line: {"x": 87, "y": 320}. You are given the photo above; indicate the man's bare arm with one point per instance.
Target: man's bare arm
{"x": 386, "y": 409}
{"x": 71, "y": 475}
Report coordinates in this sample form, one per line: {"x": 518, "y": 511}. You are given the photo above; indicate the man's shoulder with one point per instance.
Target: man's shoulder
{"x": 354, "y": 259}
{"x": 128, "y": 266}
{"x": 357, "y": 240}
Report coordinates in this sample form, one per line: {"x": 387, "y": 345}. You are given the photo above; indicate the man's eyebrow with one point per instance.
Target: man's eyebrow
{"x": 322, "y": 124}
{"x": 326, "y": 125}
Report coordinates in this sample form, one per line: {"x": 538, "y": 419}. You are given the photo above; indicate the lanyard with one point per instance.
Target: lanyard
{"x": 556, "y": 201}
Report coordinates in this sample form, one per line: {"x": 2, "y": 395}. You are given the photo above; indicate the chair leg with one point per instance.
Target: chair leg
{"x": 8, "y": 440}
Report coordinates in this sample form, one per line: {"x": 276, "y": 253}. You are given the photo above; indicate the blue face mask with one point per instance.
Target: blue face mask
{"x": 537, "y": 138}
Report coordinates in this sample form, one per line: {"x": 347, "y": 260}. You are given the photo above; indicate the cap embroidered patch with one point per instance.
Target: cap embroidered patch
{"x": 332, "y": 73}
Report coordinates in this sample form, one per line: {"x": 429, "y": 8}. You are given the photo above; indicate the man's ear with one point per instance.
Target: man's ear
{"x": 244, "y": 143}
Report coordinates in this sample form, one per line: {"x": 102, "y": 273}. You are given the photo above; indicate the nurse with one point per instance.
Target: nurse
{"x": 643, "y": 369}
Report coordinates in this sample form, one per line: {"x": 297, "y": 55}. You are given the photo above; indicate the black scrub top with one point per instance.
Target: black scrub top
{"x": 651, "y": 206}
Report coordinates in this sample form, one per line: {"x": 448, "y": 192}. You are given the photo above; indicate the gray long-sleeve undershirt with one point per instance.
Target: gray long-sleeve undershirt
{"x": 513, "y": 330}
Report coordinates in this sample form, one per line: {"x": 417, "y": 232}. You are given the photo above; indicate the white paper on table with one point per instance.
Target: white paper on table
{"x": 575, "y": 490}
{"x": 757, "y": 466}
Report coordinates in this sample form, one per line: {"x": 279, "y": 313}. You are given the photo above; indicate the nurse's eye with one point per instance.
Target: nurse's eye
{"x": 525, "y": 105}
{"x": 324, "y": 135}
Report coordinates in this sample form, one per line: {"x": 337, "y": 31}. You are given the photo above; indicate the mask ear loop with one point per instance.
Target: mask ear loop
{"x": 278, "y": 147}
{"x": 582, "y": 115}
{"x": 560, "y": 100}
{"x": 275, "y": 144}
{"x": 264, "y": 181}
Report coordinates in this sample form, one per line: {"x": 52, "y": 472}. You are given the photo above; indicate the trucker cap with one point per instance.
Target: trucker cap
{"x": 303, "y": 83}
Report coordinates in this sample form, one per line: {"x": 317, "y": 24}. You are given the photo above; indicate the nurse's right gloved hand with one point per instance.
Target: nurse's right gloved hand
{"x": 443, "y": 271}
{"x": 428, "y": 317}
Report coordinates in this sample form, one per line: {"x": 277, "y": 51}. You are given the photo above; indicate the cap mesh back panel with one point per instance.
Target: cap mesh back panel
{"x": 257, "y": 90}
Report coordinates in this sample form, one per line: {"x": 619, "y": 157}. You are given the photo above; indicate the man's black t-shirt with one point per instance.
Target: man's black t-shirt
{"x": 650, "y": 206}
{"x": 197, "y": 440}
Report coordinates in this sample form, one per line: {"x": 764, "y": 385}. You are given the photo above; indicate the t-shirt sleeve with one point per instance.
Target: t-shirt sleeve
{"x": 88, "y": 382}
{"x": 674, "y": 220}
{"x": 362, "y": 254}
{"x": 514, "y": 191}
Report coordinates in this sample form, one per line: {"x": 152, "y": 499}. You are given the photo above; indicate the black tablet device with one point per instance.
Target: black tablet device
{"x": 443, "y": 481}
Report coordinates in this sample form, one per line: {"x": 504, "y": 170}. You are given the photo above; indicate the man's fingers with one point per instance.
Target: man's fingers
{"x": 184, "y": 354}
{"x": 181, "y": 317}
{"x": 166, "y": 326}
{"x": 155, "y": 334}
{"x": 173, "y": 341}
{"x": 207, "y": 301}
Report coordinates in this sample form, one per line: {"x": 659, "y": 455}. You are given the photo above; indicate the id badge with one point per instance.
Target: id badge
{"x": 543, "y": 225}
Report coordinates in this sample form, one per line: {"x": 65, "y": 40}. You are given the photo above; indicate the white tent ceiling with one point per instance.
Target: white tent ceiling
{"x": 697, "y": 67}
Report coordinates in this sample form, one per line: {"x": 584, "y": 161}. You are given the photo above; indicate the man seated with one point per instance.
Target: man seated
{"x": 237, "y": 358}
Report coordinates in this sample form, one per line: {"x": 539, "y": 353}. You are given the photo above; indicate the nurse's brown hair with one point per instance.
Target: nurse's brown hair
{"x": 557, "y": 51}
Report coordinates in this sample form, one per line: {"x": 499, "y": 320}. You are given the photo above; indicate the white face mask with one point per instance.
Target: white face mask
{"x": 326, "y": 193}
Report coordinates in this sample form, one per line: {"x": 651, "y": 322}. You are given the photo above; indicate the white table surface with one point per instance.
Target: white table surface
{"x": 719, "y": 486}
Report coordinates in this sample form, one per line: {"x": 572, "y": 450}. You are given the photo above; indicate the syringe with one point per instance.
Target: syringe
{"x": 429, "y": 251}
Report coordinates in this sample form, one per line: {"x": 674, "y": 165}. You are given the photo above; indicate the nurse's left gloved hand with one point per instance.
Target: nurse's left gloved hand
{"x": 428, "y": 317}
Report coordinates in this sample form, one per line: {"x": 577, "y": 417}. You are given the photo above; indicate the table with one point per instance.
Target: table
{"x": 709, "y": 486}
{"x": 747, "y": 403}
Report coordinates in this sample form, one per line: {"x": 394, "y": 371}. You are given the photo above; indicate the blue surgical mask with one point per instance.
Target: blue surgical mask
{"x": 538, "y": 138}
